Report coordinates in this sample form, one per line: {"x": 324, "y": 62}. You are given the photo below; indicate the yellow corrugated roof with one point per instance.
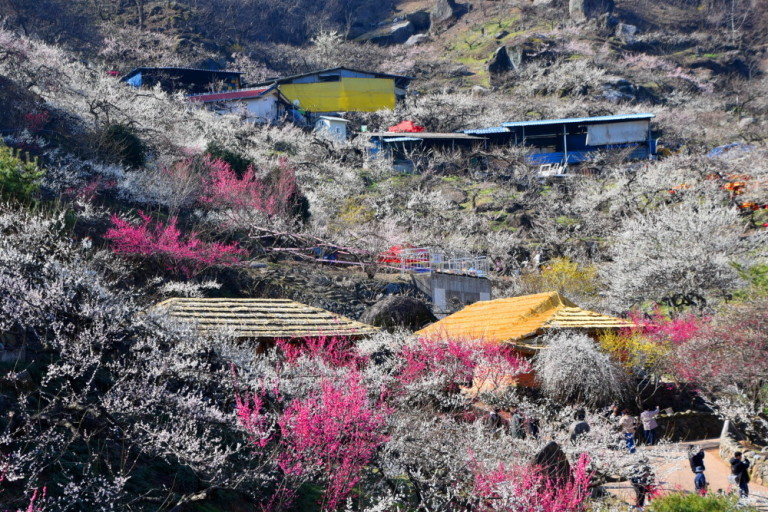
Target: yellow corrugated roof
{"x": 263, "y": 318}
{"x": 517, "y": 318}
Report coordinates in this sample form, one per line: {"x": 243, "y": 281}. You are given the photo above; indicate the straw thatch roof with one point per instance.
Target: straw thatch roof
{"x": 263, "y": 318}
{"x": 517, "y": 318}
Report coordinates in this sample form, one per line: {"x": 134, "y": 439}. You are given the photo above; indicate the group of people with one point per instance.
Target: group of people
{"x": 640, "y": 481}
{"x": 519, "y": 426}
{"x": 629, "y": 425}
{"x": 739, "y": 472}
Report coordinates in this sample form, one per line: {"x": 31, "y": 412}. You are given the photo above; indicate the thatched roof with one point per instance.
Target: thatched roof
{"x": 263, "y": 318}
{"x": 518, "y": 318}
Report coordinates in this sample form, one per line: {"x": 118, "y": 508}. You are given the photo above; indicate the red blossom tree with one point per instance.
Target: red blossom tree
{"x": 337, "y": 351}
{"x": 330, "y": 435}
{"x": 166, "y": 244}
{"x": 453, "y": 361}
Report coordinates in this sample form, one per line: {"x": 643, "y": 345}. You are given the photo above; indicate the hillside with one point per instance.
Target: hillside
{"x": 114, "y": 198}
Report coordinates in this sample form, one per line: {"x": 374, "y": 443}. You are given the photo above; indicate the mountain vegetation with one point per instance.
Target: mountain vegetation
{"x": 114, "y": 198}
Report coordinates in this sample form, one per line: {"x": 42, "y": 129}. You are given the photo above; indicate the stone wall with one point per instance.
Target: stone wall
{"x": 758, "y": 456}
{"x": 689, "y": 425}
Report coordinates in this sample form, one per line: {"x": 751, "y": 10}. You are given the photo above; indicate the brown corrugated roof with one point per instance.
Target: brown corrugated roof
{"x": 517, "y": 318}
{"x": 263, "y": 318}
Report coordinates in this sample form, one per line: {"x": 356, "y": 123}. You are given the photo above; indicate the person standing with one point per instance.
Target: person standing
{"x": 648, "y": 417}
{"x": 696, "y": 458}
{"x": 532, "y": 427}
{"x": 580, "y": 426}
{"x": 516, "y": 427}
{"x": 628, "y": 425}
{"x": 740, "y": 470}
{"x": 700, "y": 481}
{"x": 493, "y": 420}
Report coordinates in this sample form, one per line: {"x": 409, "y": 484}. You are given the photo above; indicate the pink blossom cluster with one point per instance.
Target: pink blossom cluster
{"x": 663, "y": 328}
{"x": 223, "y": 188}
{"x": 460, "y": 361}
{"x": 333, "y": 432}
{"x": 336, "y": 351}
{"x": 186, "y": 254}
{"x": 530, "y": 488}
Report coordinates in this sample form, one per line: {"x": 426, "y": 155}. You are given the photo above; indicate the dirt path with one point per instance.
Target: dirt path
{"x": 674, "y": 473}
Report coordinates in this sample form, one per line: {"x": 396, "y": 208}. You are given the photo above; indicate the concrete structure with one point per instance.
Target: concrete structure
{"x": 451, "y": 292}
{"x": 332, "y": 127}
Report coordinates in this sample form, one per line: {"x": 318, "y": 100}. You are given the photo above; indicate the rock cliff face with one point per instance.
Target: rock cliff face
{"x": 585, "y": 10}
{"x": 443, "y": 14}
{"x": 500, "y": 62}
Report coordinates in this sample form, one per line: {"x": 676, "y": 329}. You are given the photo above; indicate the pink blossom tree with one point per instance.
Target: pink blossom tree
{"x": 272, "y": 195}
{"x": 730, "y": 351}
{"x": 436, "y": 369}
{"x": 165, "y": 244}
{"x": 329, "y": 436}
{"x": 336, "y": 351}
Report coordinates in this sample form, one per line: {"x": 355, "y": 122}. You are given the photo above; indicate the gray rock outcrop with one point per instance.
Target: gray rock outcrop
{"x": 397, "y": 33}
{"x": 417, "y": 39}
{"x": 500, "y": 62}
{"x": 585, "y": 10}
{"x": 443, "y": 14}
{"x": 398, "y": 311}
{"x": 626, "y": 33}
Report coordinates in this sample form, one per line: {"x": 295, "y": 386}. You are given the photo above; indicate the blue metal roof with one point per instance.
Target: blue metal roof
{"x": 574, "y": 120}
{"x": 485, "y": 131}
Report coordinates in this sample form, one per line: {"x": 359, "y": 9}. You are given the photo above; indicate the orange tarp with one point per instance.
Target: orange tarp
{"x": 517, "y": 318}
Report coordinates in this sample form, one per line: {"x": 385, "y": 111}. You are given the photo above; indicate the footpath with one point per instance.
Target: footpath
{"x": 673, "y": 473}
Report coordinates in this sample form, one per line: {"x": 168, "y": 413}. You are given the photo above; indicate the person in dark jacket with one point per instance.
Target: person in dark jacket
{"x": 493, "y": 420}
{"x": 700, "y": 481}
{"x": 740, "y": 470}
{"x": 696, "y": 458}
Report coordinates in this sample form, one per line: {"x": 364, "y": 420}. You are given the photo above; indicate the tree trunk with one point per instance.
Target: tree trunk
{"x": 140, "y": 13}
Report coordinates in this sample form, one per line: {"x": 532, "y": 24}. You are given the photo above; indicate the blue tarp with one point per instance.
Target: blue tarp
{"x": 734, "y": 147}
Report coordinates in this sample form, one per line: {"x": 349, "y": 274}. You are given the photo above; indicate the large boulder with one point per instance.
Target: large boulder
{"x": 552, "y": 460}
{"x": 398, "y": 311}
{"x": 417, "y": 39}
{"x": 626, "y": 33}
{"x": 397, "y": 33}
{"x": 500, "y": 62}
{"x": 585, "y": 10}
{"x": 444, "y": 14}
{"x": 420, "y": 20}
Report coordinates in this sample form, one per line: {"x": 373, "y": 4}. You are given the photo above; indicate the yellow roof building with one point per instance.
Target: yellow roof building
{"x": 263, "y": 319}
{"x": 515, "y": 319}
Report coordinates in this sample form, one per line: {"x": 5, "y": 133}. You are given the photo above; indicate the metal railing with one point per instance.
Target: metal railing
{"x": 425, "y": 259}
